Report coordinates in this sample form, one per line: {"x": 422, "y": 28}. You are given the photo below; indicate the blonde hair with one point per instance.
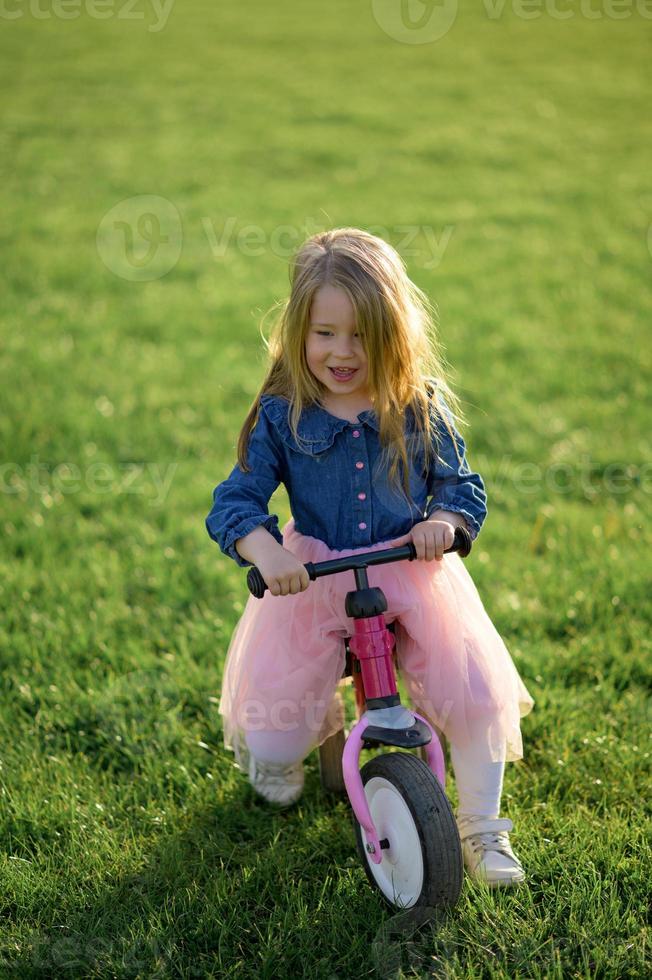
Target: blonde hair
{"x": 396, "y": 323}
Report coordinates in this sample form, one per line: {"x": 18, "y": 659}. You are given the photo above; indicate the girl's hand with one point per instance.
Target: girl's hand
{"x": 284, "y": 574}
{"x": 432, "y": 537}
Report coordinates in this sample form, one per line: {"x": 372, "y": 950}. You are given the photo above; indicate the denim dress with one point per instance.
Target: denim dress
{"x": 286, "y": 654}
{"x": 336, "y": 482}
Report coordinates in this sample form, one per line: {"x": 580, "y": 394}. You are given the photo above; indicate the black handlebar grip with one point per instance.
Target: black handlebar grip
{"x": 256, "y": 583}
{"x": 462, "y": 542}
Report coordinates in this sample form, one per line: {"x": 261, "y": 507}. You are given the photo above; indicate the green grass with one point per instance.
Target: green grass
{"x": 132, "y": 846}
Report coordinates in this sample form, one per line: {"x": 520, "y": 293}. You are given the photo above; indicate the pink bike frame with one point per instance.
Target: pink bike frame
{"x": 372, "y": 643}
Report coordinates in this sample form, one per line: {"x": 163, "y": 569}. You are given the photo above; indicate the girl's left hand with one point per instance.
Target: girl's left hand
{"x": 430, "y": 539}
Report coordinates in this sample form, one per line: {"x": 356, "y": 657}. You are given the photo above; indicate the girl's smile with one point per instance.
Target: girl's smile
{"x": 343, "y": 374}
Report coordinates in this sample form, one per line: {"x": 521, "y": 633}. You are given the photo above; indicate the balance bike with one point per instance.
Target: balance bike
{"x": 405, "y": 829}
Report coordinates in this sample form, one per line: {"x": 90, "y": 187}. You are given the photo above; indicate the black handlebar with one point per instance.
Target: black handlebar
{"x": 407, "y": 552}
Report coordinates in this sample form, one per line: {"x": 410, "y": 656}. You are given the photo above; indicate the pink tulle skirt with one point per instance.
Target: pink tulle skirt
{"x": 287, "y": 655}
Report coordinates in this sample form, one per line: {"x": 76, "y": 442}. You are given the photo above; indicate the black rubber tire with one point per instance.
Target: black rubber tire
{"x": 330, "y": 763}
{"x": 434, "y": 820}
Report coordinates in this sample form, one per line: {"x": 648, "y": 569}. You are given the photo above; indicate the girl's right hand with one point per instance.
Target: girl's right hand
{"x": 283, "y": 573}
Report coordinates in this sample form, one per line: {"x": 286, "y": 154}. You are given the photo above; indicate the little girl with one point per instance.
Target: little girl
{"x": 356, "y": 419}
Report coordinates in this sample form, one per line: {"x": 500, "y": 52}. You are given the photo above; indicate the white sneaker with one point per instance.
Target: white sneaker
{"x": 275, "y": 782}
{"x": 488, "y": 855}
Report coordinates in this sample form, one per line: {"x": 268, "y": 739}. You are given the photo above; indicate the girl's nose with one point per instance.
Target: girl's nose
{"x": 344, "y": 347}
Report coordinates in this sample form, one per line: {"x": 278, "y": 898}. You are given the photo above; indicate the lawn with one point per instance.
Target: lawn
{"x": 157, "y": 172}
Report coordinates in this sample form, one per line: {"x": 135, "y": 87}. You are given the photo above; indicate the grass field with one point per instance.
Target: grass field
{"x": 509, "y": 161}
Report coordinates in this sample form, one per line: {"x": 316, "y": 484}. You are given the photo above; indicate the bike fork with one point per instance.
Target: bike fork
{"x": 385, "y": 721}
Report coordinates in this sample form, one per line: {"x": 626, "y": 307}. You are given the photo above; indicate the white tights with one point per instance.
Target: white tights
{"x": 479, "y": 784}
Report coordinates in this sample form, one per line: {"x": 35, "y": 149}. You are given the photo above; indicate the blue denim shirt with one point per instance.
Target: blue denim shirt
{"x": 337, "y": 489}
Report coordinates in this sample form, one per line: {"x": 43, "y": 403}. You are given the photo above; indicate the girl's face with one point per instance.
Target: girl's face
{"x": 334, "y": 350}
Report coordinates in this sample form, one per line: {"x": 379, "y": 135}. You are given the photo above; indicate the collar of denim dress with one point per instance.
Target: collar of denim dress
{"x": 317, "y": 428}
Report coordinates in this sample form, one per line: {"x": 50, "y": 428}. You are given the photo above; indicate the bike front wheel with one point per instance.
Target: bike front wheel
{"x": 422, "y": 861}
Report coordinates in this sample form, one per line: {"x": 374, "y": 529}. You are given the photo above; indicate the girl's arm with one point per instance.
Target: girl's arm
{"x": 240, "y": 503}
{"x": 453, "y": 487}
{"x": 256, "y": 545}
{"x": 453, "y": 517}
{"x": 240, "y": 522}
{"x": 283, "y": 573}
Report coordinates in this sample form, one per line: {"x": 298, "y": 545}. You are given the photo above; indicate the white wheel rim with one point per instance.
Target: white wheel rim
{"x": 400, "y": 872}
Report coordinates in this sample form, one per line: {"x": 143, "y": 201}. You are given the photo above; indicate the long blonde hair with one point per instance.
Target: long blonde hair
{"x": 396, "y": 322}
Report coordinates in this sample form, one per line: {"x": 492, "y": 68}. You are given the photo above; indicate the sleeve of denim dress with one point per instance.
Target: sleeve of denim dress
{"x": 240, "y": 503}
{"x": 453, "y": 485}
